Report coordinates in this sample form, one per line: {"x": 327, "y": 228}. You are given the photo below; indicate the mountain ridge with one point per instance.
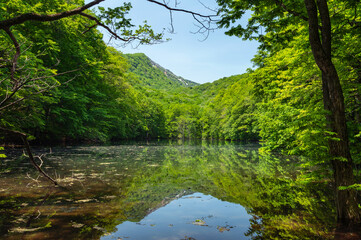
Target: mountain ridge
{"x": 153, "y": 75}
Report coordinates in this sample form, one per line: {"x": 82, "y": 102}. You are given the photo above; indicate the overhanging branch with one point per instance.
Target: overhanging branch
{"x": 204, "y": 21}
{"x": 98, "y": 23}
{"x": 183, "y": 10}
{"x": 45, "y": 18}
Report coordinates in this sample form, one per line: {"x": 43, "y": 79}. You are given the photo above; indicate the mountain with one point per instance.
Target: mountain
{"x": 151, "y": 74}
{"x": 209, "y": 90}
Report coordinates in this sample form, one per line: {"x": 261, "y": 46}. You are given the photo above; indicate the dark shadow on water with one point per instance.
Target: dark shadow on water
{"x": 348, "y": 232}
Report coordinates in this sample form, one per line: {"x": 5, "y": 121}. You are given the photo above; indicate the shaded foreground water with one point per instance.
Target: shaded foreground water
{"x": 162, "y": 191}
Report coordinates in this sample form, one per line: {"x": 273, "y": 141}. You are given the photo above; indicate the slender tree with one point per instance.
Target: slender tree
{"x": 333, "y": 99}
{"x": 275, "y": 16}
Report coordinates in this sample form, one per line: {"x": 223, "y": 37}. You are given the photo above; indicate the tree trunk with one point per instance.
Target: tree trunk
{"x": 347, "y": 208}
{"x": 346, "y": 203}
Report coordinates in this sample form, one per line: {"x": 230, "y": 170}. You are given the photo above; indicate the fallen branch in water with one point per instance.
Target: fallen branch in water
{"x": 30, "y": 154}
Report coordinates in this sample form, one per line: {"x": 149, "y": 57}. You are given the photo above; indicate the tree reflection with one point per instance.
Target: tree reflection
{"x": 109, "y": 185}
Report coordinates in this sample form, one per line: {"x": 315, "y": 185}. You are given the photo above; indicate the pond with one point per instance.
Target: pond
{"x": 162, "y": 190}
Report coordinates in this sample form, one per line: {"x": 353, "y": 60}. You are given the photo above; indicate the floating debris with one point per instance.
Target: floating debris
{"x": 84, "y": 200}
{"x": 23, "y": 230}
{"x": 223, "y": 229}
{"x": 77, "y": 225}
{"x": 199, "y": 222}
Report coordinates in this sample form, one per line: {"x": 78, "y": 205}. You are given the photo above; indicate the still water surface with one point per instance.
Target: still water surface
{"x": 161, "y": 191}
{"x": 196, "y": 216}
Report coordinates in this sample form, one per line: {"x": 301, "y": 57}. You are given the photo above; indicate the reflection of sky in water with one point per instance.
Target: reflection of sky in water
{"x": 222, "y": 220}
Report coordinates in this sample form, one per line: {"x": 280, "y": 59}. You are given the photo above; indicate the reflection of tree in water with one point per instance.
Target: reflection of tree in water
{"x": 282, "y": 205}
{"x": 125, "y": 183}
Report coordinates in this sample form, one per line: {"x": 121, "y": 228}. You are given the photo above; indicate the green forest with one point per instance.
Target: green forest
{"x": 61, "y": 83}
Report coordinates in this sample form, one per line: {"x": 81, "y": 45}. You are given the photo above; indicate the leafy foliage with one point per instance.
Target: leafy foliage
{"x": 111, "y": 95}
{"x": 1, "y": 154}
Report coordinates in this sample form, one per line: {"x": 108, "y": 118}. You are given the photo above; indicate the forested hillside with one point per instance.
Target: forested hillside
{"x": 115, "y": 96}
{"x": 151, "y": 74}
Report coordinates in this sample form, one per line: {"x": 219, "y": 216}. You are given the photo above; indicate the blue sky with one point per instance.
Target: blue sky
{"x": 185, "y": 54}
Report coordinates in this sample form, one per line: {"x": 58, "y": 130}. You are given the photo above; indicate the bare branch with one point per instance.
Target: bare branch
{"x": 41, "y": 160}
{"x": 38, "y": 92}
{"x": 206, "y": 7}
{"x": 183, "y": 10}
{"x": 204, "y": 21}
{"x": 30, "y": 155}
{"x": 171, "y": 22}
{"x": 35, "y": 180}
{"x": 17, "y": 54}
{"x": 116, "y": 36}
{"x": 90, "y": 28}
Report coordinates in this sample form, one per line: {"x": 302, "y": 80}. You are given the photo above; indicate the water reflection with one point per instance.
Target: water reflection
{"x": 195, "y": 216}
{"x": 112, "y": 192}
